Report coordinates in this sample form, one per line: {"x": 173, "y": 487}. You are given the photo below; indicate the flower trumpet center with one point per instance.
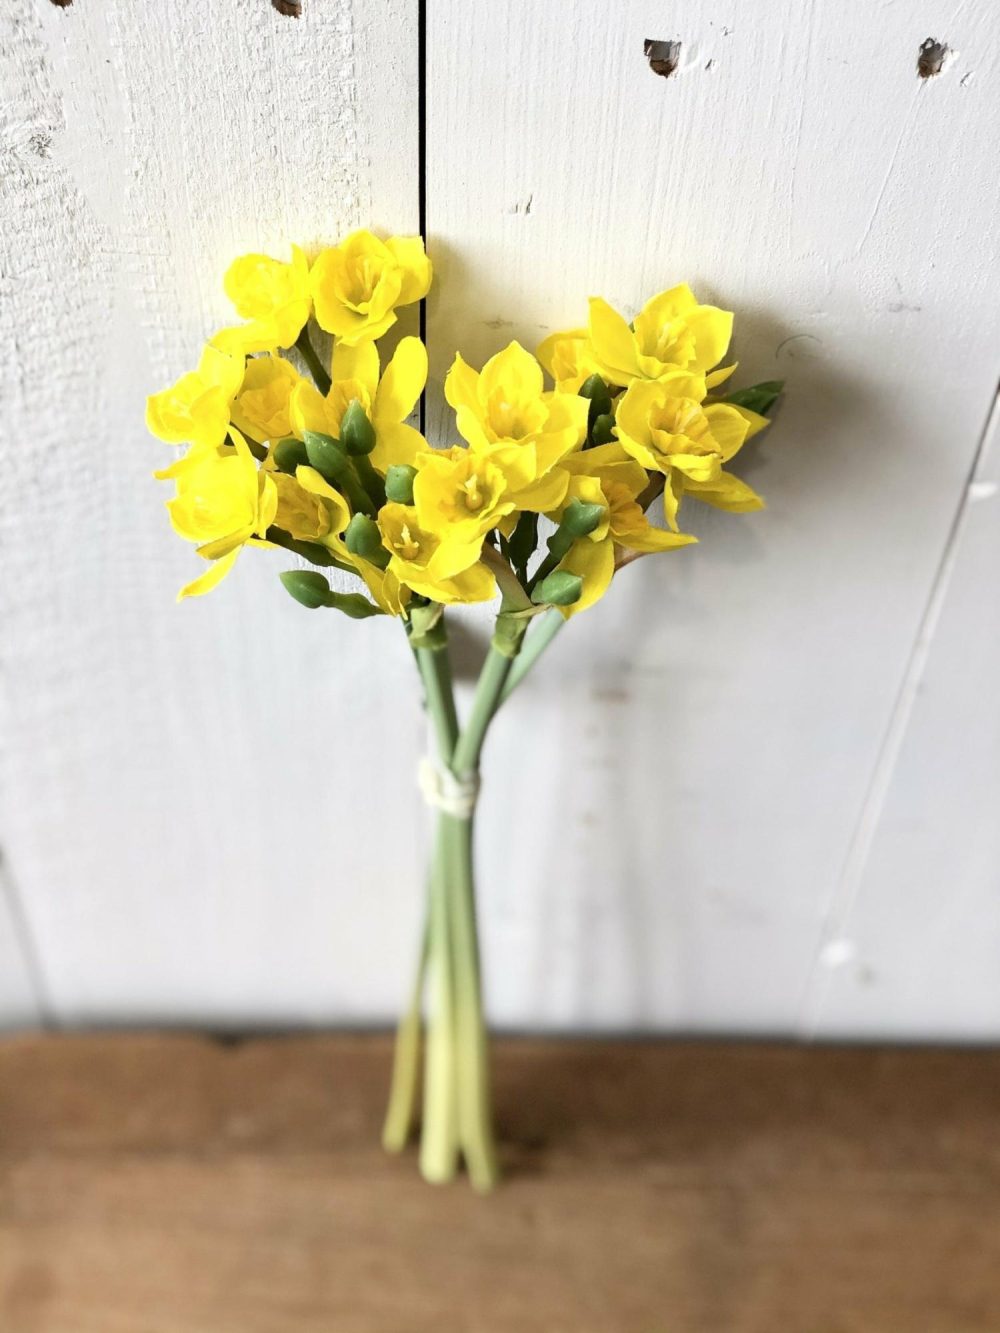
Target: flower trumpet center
{"x": 405, "y": 544}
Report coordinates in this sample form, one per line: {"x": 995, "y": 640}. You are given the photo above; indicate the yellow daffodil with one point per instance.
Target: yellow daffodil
{"x": 358, "y": 285}
{"x": 671, "y": 332}
{"x": 223, "y": 502}
{"x": 272, "y": 295}
{"x": 506, "y": 403}
{"x": 387, "y": 401}
{"x": 195, "y": 409}
{"x": 261, "y": 408}
{"x": 608, "y": 476}
{"x": 467, "y": 492}
{"x": 445, "y": 569}
{"x": 304, "y": 514}
{"x": 668, "y": 431}
{"x": 569, "y": 358}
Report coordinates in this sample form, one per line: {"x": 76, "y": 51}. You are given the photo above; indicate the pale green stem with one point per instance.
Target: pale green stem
{"x": 439, "y": 1138}
{"x": 405, "y": 1086}
{"x": 537, "y": 640}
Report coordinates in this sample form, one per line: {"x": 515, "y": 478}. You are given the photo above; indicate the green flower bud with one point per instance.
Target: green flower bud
{"x": 357, "y": 434}
{"x": 597, "y": 391}
{"x": 307, "y": 587}
{"x": 363, "y": 539}
{"x": 325, "y": 455}
{"x": 289, "y": 454}
{"x": 560, "y": 588}
{"x": 399, "y": 483}
{"x": 580, "y": 519}
{"x": 602, "y": 430}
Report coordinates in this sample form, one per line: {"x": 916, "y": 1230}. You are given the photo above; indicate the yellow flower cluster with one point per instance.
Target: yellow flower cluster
{"x": 326, "y": 464}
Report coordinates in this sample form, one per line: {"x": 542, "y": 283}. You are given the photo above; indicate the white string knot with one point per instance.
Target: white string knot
{"x": 455, "y": 796}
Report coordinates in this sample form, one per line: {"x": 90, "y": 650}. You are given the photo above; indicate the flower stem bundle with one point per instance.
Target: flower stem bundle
{"x": 545, "y": 498}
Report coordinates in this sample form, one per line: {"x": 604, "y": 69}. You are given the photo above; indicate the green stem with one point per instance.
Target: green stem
{"x": 310, "y": 357}
{"x": 405, "y": 1085}
{"x": 537, "y": 640}
{"x": 439, "y": 1136}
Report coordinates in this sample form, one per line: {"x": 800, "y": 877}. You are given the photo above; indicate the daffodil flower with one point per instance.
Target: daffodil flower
{"x": 671, "y": 332}
{"x": 664, "y": 426}
{"x": 469, "y": 491}
{"x": 272, "y": 295}
{"x": 388, "y": 400}
{"x": 506, "y": 403}
{"x": 262, "y": 406}
{"x": 195, "y": 409}
{"x": 608, "y": 476}
{"x": 357, "y": 286}
{"x": 223, "y": 502}
{"x": 445, "y": 569}
{"x": 569, "y": 358}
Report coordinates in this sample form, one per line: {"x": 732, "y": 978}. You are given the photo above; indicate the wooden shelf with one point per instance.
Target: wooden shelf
{"x": 175, "y": 1184}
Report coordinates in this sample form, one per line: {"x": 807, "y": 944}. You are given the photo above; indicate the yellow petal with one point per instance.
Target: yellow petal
{"x": 402, "y": 384}
{"x": 726, "y": 492}
{"x": 613, "y": 342}
{"x": 408, "y": 252}
{"x": 594, "y": 562}
{"x": 214, "y": 575}
{"x": 356, "y": 363}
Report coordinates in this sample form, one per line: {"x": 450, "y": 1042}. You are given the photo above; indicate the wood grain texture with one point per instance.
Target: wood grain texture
{"x": 171, "y": 1185}
{"x": 691, "y": 765}
{"x": 180, "y": 798}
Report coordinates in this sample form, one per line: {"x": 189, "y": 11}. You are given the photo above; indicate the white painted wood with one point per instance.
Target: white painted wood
{"x": 913, "y": 944}
{"x": 208, "y": 808}
{"x": 688, "y": 770}
{"x": 19, "y": 995}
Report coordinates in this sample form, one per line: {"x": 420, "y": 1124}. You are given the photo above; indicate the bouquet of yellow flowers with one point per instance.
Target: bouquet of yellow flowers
{"x": 543, "y": 502}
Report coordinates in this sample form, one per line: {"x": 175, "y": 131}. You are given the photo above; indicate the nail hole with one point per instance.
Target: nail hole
{"x": 663, "y": 57}
{"x": 290, "y": 8}
{"x": 62, "y": 4}
{"x": 931, "y": 58}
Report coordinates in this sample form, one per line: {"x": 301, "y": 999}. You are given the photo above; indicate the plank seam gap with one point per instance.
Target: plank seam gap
{"x": 848, "y": 887}
{"x": 422, "y": 173}
{"x": 25, "y": 941}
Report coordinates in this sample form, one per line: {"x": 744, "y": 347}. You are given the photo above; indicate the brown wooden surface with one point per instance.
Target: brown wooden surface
{"x": 178, "y": 1185}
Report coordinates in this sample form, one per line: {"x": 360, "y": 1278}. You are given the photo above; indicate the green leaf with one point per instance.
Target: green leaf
{"x": 523, "y": 541}
{"x": 560, "y": 588}
{"x": 307, "y": 587}
{"x": 758, "y": 397}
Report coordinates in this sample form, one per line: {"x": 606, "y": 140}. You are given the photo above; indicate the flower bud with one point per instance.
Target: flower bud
{"x": 596, "y": 390}
{"x": 307, "y": 587}
{"x": 357, "y": 434}
{"x": 560, "y": 588}
{"x": 363, "y": 538}
{"x": 602, "y": 431}
{"x": 325, "y": 455}
{"x": 580, "y": 518}
{"x": 289, "y": 454}
{"x": 399, "y": 483}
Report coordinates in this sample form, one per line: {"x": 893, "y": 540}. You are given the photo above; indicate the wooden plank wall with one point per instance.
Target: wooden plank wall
{"x": 755, "y": 788}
